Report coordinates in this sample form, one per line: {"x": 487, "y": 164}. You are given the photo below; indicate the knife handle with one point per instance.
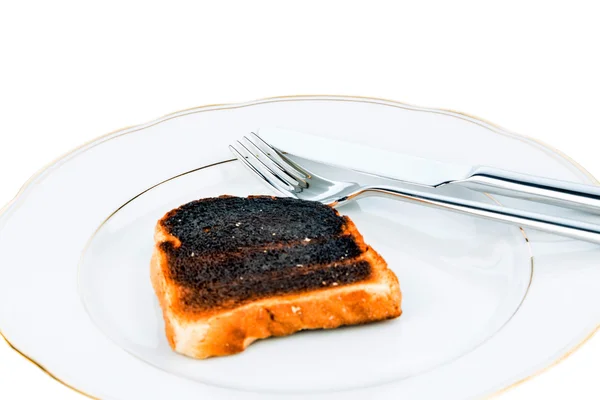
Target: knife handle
{"x": 530, "y": 187}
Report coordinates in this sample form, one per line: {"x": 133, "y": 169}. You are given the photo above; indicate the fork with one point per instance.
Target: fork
{"x": 289, "y": 179}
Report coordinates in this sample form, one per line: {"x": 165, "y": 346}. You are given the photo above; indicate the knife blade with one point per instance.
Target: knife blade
{"x": 372, "y": 160}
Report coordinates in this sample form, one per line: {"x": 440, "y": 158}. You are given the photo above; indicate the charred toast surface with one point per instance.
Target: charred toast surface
{"x": 228, "y": 257}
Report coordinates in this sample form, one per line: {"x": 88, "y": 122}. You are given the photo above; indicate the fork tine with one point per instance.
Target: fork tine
{"x": 284, "y": 162}
{"x": 252, "y": 169}
{"x": 254, "y": 159}
{"x": 253, "y": 164}
{"x": 273, "y": 164}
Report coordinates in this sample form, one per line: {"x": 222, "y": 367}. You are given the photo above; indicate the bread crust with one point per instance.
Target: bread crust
{"x": 224, "y": 332}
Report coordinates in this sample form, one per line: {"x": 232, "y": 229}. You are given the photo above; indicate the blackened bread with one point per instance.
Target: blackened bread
{"x": 230, "y": 270}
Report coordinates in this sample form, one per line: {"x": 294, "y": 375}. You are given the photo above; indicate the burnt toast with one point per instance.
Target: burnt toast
{"x": 229, "y": 270}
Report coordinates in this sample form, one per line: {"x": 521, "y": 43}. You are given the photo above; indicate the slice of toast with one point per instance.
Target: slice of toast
{"x": 228, "y": 271}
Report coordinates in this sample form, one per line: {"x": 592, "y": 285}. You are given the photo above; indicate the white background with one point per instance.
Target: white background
{"x": 70, "y": 72}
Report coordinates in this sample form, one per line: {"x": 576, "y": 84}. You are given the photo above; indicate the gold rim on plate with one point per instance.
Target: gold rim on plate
{"x": 130, "y": 129}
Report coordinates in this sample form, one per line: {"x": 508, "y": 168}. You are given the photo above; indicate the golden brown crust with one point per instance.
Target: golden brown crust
{"x": 232, "y": 331}
{"x": 218, "y": 333}
{"x": 158, "y": 283}
{"x": 237, "y": 330}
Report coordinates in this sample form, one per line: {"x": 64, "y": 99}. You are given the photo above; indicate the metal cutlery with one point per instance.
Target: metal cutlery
{"x": 288, "y": 178}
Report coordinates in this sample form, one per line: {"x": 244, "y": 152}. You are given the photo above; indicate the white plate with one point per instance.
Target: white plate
{"x": 76, "y": 242}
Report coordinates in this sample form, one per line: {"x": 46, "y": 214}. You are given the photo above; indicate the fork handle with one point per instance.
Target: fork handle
{"x": 568, "y": 227}
{"x": 572, "y": 195}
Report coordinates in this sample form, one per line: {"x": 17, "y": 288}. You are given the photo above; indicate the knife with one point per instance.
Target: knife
{"x": 407, "y": 169}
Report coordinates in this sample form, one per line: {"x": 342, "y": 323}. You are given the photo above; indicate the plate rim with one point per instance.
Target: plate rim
{"x": 361, "y": 99}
